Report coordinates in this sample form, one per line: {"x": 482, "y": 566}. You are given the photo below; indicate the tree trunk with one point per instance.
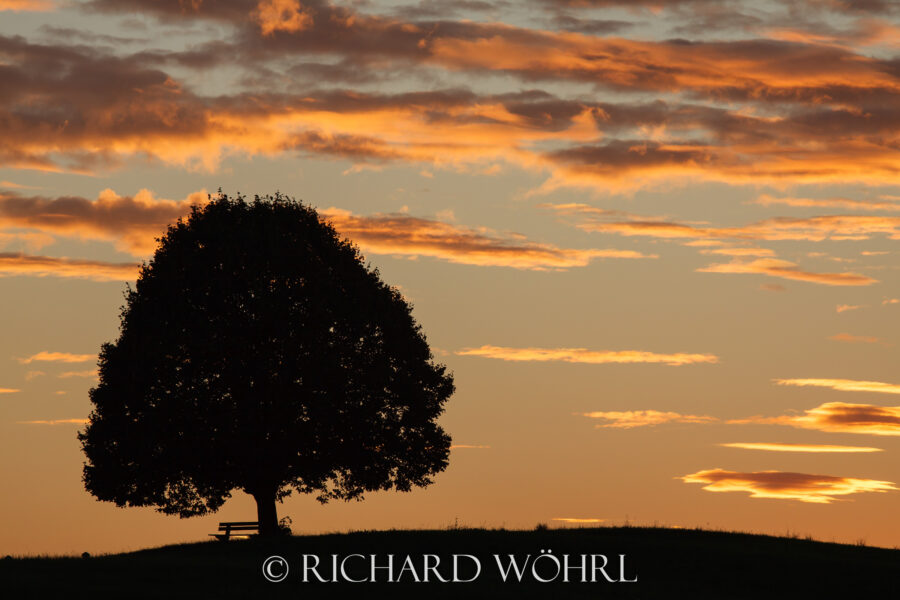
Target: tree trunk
{"x": 266, "y": 514}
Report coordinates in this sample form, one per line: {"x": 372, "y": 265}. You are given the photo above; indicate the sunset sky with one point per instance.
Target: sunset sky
{"x": 656, "y": 242}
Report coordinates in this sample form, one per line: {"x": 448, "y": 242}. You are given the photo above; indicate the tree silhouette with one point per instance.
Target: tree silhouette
{"x": 258, "y": 352}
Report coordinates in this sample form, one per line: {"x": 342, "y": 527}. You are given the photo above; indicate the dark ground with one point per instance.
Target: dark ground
{"x": 668, "y": 564}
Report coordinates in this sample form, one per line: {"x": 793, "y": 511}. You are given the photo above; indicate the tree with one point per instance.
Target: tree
{"x": 258, "y": 352}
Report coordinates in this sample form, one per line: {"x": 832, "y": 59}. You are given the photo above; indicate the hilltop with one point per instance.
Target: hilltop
{"x": 667, "y": 564}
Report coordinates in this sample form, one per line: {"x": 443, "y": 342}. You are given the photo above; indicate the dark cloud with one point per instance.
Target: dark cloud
{"x": 567, "y": 22}
{"x": 442, "y": 9}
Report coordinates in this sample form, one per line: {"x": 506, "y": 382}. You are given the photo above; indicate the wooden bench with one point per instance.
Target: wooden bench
{"x": 226, "y": 529}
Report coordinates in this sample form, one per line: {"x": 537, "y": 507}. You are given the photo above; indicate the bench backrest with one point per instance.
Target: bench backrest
{"x": 239, "y": 526}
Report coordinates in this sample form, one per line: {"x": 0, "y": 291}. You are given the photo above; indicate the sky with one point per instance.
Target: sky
{"x": 655, "y": 241}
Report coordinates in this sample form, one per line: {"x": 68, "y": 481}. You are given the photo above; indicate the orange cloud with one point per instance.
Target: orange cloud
{"x": 750, "y": 109}
{"x": 844, "y": 385}
{"x": 400, "y": 234}
{"x": 839, "y": 417}
{"x": 132, "y": 222}
{"x": 738, "y": 68}
{"x": 583, "y": 355}
{"x": 787, "y": 270}
{"x": 891, "y": 301}
{"x": 643, "y": 418}
{"x": 8, "y": 391}
{"x": 64, "y": 357}
{"x": 282, "y": 15}
{"x": 854, "y": 339}
{"x": 470, "y": 446}
{"x": 55, "y": 422}
{"x": 43, "y": 266}
{"x": 836, "y": 417}
{"x": 143, "y": 111}
{"x": 776, "y": 447}
{"x": 818, "y": 489}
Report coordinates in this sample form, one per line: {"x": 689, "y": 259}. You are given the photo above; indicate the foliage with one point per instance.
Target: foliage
{"x": 258, "y": 352}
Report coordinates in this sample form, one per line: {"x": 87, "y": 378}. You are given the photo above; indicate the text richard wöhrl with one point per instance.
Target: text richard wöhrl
{"x": 545, "y": 567}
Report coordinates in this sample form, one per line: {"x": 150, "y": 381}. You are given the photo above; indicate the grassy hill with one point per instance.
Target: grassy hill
{"x": 667, "y": 563}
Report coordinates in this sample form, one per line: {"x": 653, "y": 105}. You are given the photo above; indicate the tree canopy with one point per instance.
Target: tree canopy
{"x": 258, "y": 352}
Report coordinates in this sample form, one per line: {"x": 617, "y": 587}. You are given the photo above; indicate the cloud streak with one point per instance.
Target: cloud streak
{"x": 813, "y": 448}
{"x": 816, "y": 489}
{"x": 840, "y": 417}
{"x": 81, "y": 374}
{"x": 787, "y": 270}
{"x": 131, "y": 222}
{"x": 63, "y": 357}
{"x": 848, "y": 203}
{"x": 405, "y": 235}
{"x": 644, "y": 418}
{"x": 844, "y": 385}
{"x": 585, "y": 356}
{"x": 811, "y": 229}
{"x": 15, "y": 264}
{"x": 577, "y": 520}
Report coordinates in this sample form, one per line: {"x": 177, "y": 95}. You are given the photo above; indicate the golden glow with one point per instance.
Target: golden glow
{"x": 64, "y": 357}
{"x": 583, "y": 355}
{"x": 763, "y": 145}
{"x": 818, "y": 489}
{"x": 642, "y": 418}
{"x": 844, "y": 385}
{"x": 776, "y": 447}
{"x": 577, "y": 520}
